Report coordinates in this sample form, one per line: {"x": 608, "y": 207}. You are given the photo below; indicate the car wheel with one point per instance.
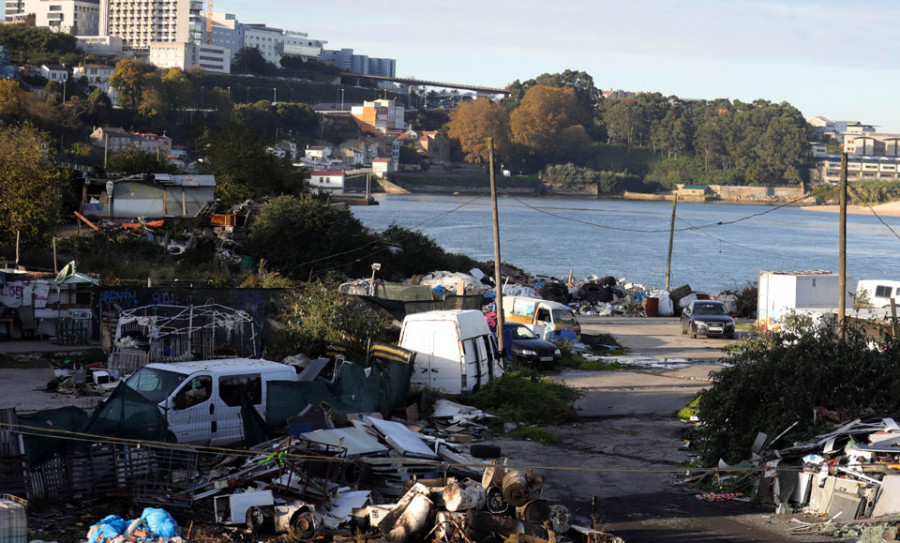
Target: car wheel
{"x": 730, "y": 336}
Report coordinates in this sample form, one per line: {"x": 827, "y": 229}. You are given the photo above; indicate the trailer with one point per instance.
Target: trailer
{"x": 811, "y": 292}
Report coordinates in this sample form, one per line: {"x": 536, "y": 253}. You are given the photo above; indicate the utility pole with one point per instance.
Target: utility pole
{"x": 498, "y": 283}
{"x": 842, "y": 261}
{"x": 671, "y": 239}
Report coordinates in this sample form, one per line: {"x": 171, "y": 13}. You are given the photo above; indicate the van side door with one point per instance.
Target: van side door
{"x": 190, "y": 412}
{"x": 230, "y": 424}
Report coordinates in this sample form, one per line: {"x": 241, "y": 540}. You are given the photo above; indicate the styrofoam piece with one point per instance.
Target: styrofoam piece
{"x": 889, "y": 499}
{"x": 342, "y": 506}
{"x": 401, "y": 438}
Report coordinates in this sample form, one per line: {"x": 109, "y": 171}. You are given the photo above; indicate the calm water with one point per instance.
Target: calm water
{"x": 630, "y": 238}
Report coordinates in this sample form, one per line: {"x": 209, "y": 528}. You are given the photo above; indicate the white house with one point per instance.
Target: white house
{"x": 327, "y": 181}
{"x": 97, "y": 75}
{"x": 382, "y": 167}
{"x": 54, "y": 72}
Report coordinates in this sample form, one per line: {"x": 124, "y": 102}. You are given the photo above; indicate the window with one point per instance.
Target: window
{"x": 882, "y": 291}
{"x": 195, "y": 392}
{"x": 230, "y": 389}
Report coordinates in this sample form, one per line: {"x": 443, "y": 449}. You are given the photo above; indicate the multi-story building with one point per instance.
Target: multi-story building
{"x": 822, "y": 126}
{"x": 80, "y": 17}
{"x": 273, "y": 43}
{"x": 872, "y": 144}
{"x": 97, "y": 75}
{"x": 107, "y": 46}
{"x": 226, "y": 31}
{"x": 380, "y": 117}
{"x": 184, "y": 55}
{"x": 828, "y": 168}
{"x": 142, "y": 22}
{"x": 347, "y": 61}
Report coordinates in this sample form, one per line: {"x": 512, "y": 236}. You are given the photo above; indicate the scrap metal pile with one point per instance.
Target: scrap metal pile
{"x": 381, "y": 479}
{"x": 849, "y": 478}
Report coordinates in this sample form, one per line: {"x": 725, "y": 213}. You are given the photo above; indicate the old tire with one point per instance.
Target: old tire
{"x": 480, "y": 450}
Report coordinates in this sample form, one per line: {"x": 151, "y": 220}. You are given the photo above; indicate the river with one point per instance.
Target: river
{"x": 716, "y": 246}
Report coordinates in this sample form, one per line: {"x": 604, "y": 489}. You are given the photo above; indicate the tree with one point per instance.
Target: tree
{"x": 130, "y": 82}
{"x": 249, "y": 60}
{"x": 317, "y": 316}
{"x": 581, "y": 82}
{"x": 237, "y": 156}
{"x": 30, "y": 183}
{"x": 136, "y": 161}
{"x": 543, "y": 114}
{"x": 305, "y": 236}
{"x": 472, "y": 123}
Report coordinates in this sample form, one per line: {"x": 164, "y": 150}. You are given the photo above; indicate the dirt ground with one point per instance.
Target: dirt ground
{"x": 627, "y": 448}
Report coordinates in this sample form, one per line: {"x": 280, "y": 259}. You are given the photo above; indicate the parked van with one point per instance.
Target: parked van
{"x": 879, "y": 291}
{"x": 201, "y": 400}
{"x": 550, "y": 321}
{"x": 455, "y": 350}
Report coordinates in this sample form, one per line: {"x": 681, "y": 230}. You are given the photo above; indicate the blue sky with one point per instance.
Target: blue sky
{"x": 826, "y": 57}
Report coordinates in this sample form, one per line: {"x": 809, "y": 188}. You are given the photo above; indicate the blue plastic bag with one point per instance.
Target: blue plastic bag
{"x": 108, "y": 528}
{"x": 160, "y": 522}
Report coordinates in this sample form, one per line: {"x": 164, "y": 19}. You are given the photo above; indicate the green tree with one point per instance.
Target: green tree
{"x": 472, "y": 123}
{"x": 130, "y": 81}
{"x": 237, "y": 156}
{"x": 249, "y": 60}
{"x": 581, "y": 82}
{"x": 316, "y": 316}
{"x": 305, "y": 236}
{"x": 30, "y": 183}
{"x": 136, "y": 161}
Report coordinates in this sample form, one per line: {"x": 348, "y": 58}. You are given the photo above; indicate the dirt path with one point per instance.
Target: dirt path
{"x": 627, "y": 448}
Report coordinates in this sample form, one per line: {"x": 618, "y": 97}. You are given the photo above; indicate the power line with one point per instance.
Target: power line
{"x": 872, "y": 209}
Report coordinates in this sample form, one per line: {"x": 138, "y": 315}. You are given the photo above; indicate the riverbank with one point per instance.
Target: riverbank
{"x": 890, "y": 209}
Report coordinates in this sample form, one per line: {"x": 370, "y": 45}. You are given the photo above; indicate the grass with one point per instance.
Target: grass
{"x": 538, "y": 435}
{"x": 526, "y": 397}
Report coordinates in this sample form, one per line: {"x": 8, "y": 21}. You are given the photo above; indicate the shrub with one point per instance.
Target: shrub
{"x": 524, "y": 396}
{"x": 779, "y": 378}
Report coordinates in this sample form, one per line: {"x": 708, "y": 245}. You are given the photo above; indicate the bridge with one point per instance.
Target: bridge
{"x": 423, "y": 83}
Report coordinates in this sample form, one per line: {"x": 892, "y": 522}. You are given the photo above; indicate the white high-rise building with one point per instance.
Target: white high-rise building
{"x": 273, "y": 43}
{"x": 80, "y": 17}
{"x": 142, "y": 22}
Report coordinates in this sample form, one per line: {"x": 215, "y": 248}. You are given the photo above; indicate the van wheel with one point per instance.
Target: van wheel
{"x": 485, "y": 451}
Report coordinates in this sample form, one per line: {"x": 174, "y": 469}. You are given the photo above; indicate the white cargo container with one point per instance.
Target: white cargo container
{"x": 13, "y": 522}
{"x": 810, "y": 292}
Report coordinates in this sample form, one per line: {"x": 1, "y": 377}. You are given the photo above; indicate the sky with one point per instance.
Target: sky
{"x": 832, "y": 58}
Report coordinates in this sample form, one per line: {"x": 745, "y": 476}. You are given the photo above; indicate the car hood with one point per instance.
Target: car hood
{"x": 538, "y": 345}
{"x": 712, "y": 318}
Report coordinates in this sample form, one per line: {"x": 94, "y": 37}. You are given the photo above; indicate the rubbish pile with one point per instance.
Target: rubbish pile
{"x": 849, "y": 474}
{"x": 154, "y": 525}
{"x": 370, "y": 478}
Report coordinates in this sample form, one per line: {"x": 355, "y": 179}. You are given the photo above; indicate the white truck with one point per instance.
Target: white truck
{"x": 456, "y": 352}
{"x": 201, "y": 400}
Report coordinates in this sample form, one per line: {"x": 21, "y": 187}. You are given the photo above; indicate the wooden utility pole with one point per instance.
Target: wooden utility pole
{"x": 842, "y": 261}
{"x": 498, "y": 283}
{"x": 671, "y": 239}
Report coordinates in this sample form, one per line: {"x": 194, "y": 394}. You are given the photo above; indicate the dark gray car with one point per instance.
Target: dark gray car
{"x": 707, "y": 318}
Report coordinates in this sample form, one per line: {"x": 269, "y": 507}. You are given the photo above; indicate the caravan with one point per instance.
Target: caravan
{"x": 879, "y": 292}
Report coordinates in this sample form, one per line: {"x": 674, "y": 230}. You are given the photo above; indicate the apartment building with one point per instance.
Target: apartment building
{"x": 380, "y": 116}
{"x": 273, "y": 43}
{"x": 142, "y": 22}
{"x": 79, "y": 17}
{"x": 185, "y": 55}
{"x": 823, "y": 126}
{"x": 872, "y": 144}
{"x": 828, "y": 168}
{"x": 348, "y": 61}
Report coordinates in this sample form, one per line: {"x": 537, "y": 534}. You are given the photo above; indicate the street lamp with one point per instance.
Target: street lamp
{"x": 274, "y": 95}
{"x": 375, "y": 267}
{"x": 342, "y": 99}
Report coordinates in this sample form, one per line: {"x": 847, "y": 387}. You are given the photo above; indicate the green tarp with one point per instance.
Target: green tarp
{"x": 383, "y": 390}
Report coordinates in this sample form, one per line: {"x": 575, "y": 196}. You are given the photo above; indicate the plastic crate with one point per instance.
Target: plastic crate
{"x": 13, "y": 520}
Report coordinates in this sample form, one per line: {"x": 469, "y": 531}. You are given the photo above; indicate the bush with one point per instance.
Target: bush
{"x": 524, "y": 396}
{"x": 779, "y": 378}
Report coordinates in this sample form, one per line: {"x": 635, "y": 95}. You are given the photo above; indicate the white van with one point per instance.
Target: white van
{"x": 201, "y": 400}
{"x": 879, "y": 291}
{"x": 455, "y": 350}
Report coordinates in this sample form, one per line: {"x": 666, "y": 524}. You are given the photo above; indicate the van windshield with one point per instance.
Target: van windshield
{"x": 154, "y": 384}
{"x": 564, "y": 316}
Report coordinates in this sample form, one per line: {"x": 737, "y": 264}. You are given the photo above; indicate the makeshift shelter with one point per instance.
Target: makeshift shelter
{"x": 169, "y": 333}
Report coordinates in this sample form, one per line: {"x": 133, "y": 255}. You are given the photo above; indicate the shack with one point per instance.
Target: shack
{"x": 151, "y": 196}
{"x": 811, "y": 292}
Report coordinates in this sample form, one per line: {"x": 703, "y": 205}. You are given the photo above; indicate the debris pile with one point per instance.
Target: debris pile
{"x": 843, "y": 476}
{"x": 154, "y": 525}
{"x": 384, "y": 480}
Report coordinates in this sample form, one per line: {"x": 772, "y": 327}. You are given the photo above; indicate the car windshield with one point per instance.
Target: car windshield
{"x": 564, "y": 316}
{"x": 709, "y": 309}
{"x": 153, "y": 384}
{"x": 521, "y": 332}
